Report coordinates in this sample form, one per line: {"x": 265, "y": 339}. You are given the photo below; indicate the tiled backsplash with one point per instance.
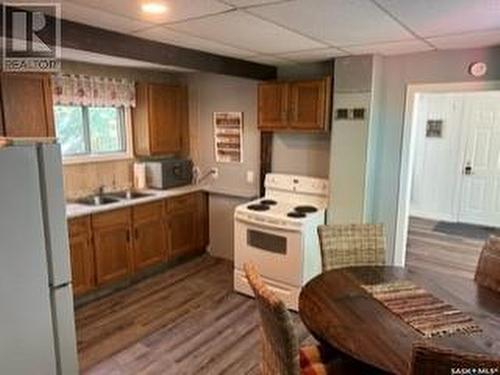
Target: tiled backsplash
{"x": 84, "y": 179}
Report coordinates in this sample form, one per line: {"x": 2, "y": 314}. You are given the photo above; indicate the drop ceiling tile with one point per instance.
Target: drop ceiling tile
{"x": 313, "y": 55}
{"x": 94, "y": 17}
{"x": 438, "y": 17}
{"x": 177, "y": 10}
{"x": 165, "y": 35}
{"x": 245, "y": 31}
{"x": 337, "y": 22}
{"x": 467, "y": 40}
{"x": 393, "y": 48}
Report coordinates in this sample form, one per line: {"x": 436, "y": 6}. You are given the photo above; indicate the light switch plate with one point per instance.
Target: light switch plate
{"x": 250, "y": 177}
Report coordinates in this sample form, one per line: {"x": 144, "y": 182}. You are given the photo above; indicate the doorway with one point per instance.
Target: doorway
{"x": 450, "y": 171}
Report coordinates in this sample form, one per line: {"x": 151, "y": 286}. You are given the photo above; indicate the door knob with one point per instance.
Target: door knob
{"x": 468, "y": 169}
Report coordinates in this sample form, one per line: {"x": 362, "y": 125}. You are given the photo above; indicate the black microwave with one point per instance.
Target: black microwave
{"x": 168, "y": 173}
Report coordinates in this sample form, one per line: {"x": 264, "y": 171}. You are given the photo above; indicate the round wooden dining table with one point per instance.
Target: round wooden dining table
{"x": 339, "y": 312}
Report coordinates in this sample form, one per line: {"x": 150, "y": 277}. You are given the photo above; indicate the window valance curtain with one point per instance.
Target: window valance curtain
{"x": 72, "y": 89}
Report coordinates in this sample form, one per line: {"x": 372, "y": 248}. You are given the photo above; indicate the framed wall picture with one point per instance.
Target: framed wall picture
{"x": 228, "y": 137}
{"x": 434, "y": 129}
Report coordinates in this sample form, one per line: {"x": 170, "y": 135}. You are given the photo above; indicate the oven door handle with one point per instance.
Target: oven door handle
{"x": 266, "y": 225}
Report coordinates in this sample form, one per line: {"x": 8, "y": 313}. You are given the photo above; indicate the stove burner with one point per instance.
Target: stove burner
{"x": 296, "y": 214}
{"x": 258, "y": 207}
{"x": 269, "y": 202}
{"x": 305, "y": 209}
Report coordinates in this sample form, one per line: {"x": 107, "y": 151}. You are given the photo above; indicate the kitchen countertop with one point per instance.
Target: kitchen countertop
{"x": 76, "y": 209}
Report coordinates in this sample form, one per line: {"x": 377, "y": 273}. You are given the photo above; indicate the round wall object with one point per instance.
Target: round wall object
{"x": 478, "y": 69}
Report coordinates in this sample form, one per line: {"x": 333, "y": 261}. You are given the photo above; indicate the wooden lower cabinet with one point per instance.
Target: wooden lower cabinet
{"x": 149, "y": 235}
{"x": 113, "y": 245}
{"x": 110, "y": 246}
{"x": 81, "y": 255}
{"x": 186, "y": 224}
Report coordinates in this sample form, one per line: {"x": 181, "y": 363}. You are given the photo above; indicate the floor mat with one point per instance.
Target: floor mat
{"x": 466, "y": 230}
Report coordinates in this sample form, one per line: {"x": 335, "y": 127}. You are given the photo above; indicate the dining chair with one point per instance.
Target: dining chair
{"x": 488, "y": 267}
{"x": 428, "y": 359}
{"x": 347, "y": 245}
{"x": 280, "y": 351}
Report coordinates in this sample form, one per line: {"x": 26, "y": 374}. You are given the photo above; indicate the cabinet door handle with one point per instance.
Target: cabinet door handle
{"x": 128, "y": 235}
{"x": 136, "y": 234}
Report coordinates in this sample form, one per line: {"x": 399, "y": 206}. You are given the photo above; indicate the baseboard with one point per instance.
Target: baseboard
{"x": 432, "y": 216}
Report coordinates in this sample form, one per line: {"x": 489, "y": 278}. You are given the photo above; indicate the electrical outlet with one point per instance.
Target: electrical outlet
{"x": 215, "y": 172}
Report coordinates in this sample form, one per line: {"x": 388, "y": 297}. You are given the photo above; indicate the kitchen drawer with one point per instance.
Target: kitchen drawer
{"x": 148, "y": 211}
{"x": 111, "y": 218}
{"x": 79, "y": 225}
{"x": 181, "y": 202}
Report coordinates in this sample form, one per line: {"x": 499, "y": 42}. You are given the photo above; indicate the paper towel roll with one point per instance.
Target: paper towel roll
{"x": 140, "y": 175}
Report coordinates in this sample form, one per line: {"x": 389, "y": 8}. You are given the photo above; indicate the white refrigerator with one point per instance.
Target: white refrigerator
{"x": 37, "y": 327}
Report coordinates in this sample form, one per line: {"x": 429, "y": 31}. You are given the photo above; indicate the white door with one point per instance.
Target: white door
{"x": 438, "y": 159}
{"x": 480, "y": 203}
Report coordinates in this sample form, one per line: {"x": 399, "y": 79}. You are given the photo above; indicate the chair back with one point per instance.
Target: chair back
{"x": 429, "y": 359}
{"x": 488, "y": 267}
{"x": 280, "y": 347}
{"x": 347, "y": 245}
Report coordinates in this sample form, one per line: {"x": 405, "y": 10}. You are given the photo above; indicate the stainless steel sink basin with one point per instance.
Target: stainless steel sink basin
{"x": 129, "y": 194}
{"x": 97, "y": 200}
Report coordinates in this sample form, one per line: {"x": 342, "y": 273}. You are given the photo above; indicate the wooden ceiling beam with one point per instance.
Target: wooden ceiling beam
{"x": 93, "y": 39}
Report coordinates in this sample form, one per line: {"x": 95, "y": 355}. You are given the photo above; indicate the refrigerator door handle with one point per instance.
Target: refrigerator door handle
{"x": 54, "y": 212}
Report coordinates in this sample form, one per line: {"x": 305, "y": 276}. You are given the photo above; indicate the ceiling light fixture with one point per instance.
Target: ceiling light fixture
{"x": 154, "y": 8}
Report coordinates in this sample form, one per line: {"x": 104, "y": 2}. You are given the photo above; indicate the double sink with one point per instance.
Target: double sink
{"x": 107, "y": 198}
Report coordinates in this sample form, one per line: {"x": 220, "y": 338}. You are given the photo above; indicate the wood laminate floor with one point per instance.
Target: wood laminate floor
{"x": 451, "y": 249}
{"x": 188, "y": 320}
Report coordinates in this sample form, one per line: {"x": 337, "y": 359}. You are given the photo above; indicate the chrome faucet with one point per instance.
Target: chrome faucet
{"x": 100, "y": 190}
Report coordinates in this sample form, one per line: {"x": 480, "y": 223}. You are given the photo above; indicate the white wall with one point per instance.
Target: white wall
{"x": 437, "y": 161}
{"x": 348, "y": 155}
{"x": 349, "y": 142}
{"x": 209, "y": 93}
{"x": 301, "y": 154}
{"x": 397, "y": 73}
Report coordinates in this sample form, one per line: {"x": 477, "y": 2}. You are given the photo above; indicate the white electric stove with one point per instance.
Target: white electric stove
{"x": 278, "y": 233}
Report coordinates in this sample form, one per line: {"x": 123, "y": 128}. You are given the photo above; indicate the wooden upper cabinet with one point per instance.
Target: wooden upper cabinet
{"x": 159, "y": 119}
{"x": 27, "y": 105}
{"x": 308, "y": 102}
{"x": 302, "y": 105}
{"x": 149, "y": 235}
{"x": 113, "y": 245}
{"x": 273, "y": 105}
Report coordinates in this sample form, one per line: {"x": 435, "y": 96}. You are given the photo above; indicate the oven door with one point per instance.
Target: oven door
{"x": 275, "y": 251}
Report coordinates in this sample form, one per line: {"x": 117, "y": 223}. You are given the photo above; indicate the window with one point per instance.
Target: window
{"x": 85, "y": 131}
